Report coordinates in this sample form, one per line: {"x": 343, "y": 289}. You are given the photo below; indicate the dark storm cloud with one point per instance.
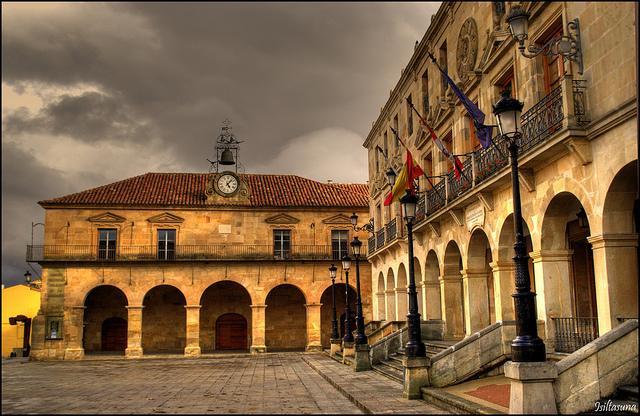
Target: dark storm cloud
{"x": 172, "y": 72}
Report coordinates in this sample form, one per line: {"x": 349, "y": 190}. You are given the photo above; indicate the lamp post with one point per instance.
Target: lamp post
{"x": 348, "y": 336}
{"x": 27, "y": 277}
{"x": 33, "y": 225}
{"x": 527, "y": 346}
{"x": 361, "y": 338}
{"x": 334, "y": 322}
{"x": 414, "y": 347}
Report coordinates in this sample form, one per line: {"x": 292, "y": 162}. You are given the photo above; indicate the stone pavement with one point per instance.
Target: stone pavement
{"x": 372, "y": 392}
{"x": 270, "y": 383}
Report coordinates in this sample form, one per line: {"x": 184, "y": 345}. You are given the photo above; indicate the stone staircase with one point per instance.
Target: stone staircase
{"x": 392, "y": 366}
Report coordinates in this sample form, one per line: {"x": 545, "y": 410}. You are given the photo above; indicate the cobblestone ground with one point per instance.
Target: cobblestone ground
{"x": 272, "y": 383}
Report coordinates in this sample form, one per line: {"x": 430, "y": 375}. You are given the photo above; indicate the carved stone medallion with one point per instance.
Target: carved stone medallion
{"x": 467, "y": 48}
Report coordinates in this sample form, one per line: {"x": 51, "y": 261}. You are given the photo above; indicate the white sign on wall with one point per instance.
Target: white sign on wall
{"x": 224, "y": 228}
{"x": 474, "y": 215}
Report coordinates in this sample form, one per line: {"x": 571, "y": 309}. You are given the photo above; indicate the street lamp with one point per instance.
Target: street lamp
{"x": 34, "y": 225}
{"x": 527, "y": 346}
{"x": 346, "y": 265}
{"x": 334, "y": 323}
{"x": 391, "y": 176}
{"x": 361, "y": 338}
{"x": 27, "y": 277}
{"x": 415, "y": 347}
{"x": 368, "y": 227}
{"x": 568, "y": 46}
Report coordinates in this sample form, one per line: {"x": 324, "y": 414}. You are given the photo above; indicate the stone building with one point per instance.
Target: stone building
{"x": 578, "y": 173}
{"x": 195, "y": 263}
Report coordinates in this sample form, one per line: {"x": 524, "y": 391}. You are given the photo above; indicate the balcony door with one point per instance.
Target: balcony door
{"x": 107, "y": 242}
{"x": 166, "y": 244}
{"x": 282, "y": 244}
{"x": 339, "y": 243}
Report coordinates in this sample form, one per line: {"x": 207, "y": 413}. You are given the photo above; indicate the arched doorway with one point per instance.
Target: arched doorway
{"x": 326, "y": 311}
{"x": 231, "y": 332}
{"x": 285, "y": 319}
{"x": 114, "y": 334}
{"x": 478, "y": 284}
{"x": 573, "y": 312}
{"x": 164, "y": 320}
{"x": 391, "y": 296}
{"x": 231, "y": 300}
{"x": 402, "y": 299}
{"x": 382, "y": 311}
{"x": 105, "y": 320}
{"x": 452, "y": 299}
{"x": 433, "y": 309}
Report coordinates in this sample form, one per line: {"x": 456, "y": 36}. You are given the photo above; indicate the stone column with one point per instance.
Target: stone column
{"x": 257, "y": 329}
{"x": 476, "y": 300}
{"x": 504, "y": 286}
{"x": 532, "y": 387}
{"x": 401, "y": 303}
{"x": 552, "y": 270}
{"x": 451, "y": 302}
{"x": 74, "y": 318}
{"x": 416, "y": 376}
{"x": 192, "y": 349}
{"x": 134, "y": 332}
{"x": 382, "y": 312}
{"x": 616, "y": 274}
{"x": 431, "y": 295}
{"x": 37, "y": 352}
{"x": 391, "y": 304}
{"x": 313, "y": 327}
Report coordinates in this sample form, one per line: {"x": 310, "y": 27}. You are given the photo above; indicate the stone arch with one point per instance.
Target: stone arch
{"x": 478, "y": 283}
{"x": 452, "y": 298}
{"x": 380, "y": 295}
{"x": 617, "y": 212}
{"x": 164, "y": 320}
{"x": 105, "y": 320}
{"x": 432, "y": 287}
{"x": 326, "y": 311}
{"x": 391, "y": 296}
{"x": 285, "y": 318}
{"x": 401, "y": 293}
{"x": 220, "y": 298}
{"x": 125, "y": 291}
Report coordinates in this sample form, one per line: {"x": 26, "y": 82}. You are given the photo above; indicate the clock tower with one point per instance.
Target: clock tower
{"x": 224, "y": 184}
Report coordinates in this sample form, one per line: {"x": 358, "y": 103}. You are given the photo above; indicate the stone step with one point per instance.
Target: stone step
{"x": 389, "y": 372}
{"x": 397, "y": 358}
{"x": 393, "y": 364}
{"x": 628, "y": 392}
{"x": 453, "y": 403}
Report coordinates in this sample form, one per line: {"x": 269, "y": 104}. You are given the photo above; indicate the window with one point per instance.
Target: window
{"x": 379, "y": 221}
{"x": 282, "y": 244}
{"x": 107, "y": 243}
{"x": 553, "y": 66}
{"x": 428, "y": 170}
{"x": 386, "y": 144}
{"x": 409, "y": 116}
{"x": 339, "y": 243}
{"x": 166, "y": 244}
{"x": 425, "y": 94}
{"x": 507, "y": 82}
{"x": 395, "y": 127}
{"x": 443, "y": 65}
{"x": 54, "y": 327}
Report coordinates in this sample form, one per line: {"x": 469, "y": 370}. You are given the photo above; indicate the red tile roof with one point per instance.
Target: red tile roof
{"x": 188, "y": 190}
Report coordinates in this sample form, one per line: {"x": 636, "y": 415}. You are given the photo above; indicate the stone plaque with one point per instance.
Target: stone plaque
{"x": 474, "y": 216}
{"x": 224, "y": 228}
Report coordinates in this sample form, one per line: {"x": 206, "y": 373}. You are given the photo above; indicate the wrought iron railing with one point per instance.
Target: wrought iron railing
{"x": 572, "y": 334}
{"x": 579, "y": 102}
{"x": 420, "y": 209}
{"x": 392, "y": 230}
{"x": 372, "y": 244}
{"x": 182, "y": 252}
{"x": 435, "y": 197}
{"x": 542, "y": 120}
{"x": 458, "y": 186}
{"x": 380, "y": 238}
{"x": 490, "y": 160}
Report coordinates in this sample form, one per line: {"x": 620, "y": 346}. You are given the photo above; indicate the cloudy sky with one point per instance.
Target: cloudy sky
{"x": 95, "y": 93}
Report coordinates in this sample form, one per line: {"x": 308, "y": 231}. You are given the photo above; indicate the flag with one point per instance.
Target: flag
{"x": 484, "y": 132}
{"x": 410, "y": 172}
{"x": 457, "y": 165}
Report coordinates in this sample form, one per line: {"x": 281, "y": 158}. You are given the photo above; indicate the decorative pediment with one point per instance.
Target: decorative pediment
{"x": 165, "y": 217}
{"x": 282, "y": 219}
{"x": 337, "y": 219}
{"x": 106, "y": 217}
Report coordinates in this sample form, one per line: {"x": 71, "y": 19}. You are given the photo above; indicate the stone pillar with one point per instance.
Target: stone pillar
{"x": 313, "y": 327}
{"x": 192, "y": 349}
{"x": 391, "y": 304}
{"x": 416, "y": 376}
{"x": 531, "y": 387}
{"x": 37, "y": 352}
{"x": 401, "y": 303}
{"x": 257, "y": 329}
{"x": 452, "y": 311}
{"x": 73, "y": 330}
{"x": 134, "y": 332}
{"x": 382, "y": 313}
{"x": 552, "y": 270}
{"x": 431, "y": 294}
{"x": 361, "y": 359}
{"x": 476, "y": 300}
{"x": 348, "y": 351}
{"x": 336, "y": 346}
{"x": 616, "y": 274}
{"x": 504, "y": 286}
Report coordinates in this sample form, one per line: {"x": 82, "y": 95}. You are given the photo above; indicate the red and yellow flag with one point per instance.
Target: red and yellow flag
{"x": 410, "y": 171}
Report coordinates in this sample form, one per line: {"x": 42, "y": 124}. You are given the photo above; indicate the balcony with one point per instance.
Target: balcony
{"x": 543, "y": 125}
{"x": 207, "y": 252}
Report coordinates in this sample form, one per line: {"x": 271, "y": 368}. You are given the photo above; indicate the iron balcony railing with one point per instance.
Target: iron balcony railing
{"x": 183, "y": 252}
{"x": 539, "y": 123}
{"x": 392, "y": 230}
{"x": 380, "y": 238}
{"x": 571, "y": 334}
{"x": 371, "y": 244}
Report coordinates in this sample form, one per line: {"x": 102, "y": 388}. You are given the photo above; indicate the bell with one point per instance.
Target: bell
{"x": 227, "y": 158}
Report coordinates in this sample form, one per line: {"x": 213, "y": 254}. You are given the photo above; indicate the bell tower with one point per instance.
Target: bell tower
{"x": 223, "y": 183}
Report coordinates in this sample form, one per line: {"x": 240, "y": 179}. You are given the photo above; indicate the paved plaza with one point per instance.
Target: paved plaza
{"x": 270, "y": 383}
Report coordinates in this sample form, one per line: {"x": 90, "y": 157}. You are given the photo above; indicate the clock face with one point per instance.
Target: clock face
{"x": 227, "y": 183}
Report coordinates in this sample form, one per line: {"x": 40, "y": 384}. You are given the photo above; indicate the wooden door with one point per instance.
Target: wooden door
{"x": 114, "y": 334}
{"x": 231, "y": 332}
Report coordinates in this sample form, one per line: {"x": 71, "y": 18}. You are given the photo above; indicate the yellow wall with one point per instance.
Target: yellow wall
{"x": 16, "y": 300}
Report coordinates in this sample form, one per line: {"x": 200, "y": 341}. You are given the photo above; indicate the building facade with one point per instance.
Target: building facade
{"x": 195, "y": 263}
{"x": 17, "y": 300}
{"x": 578, "y": 173}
